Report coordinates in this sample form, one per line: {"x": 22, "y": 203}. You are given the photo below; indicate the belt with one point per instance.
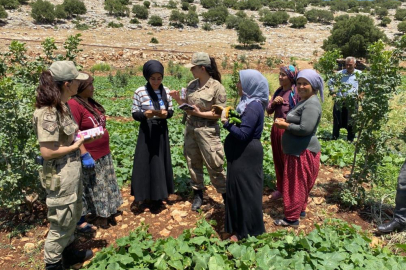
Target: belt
{"x": 72, "y": 156}
{"x": 202, "y": 123}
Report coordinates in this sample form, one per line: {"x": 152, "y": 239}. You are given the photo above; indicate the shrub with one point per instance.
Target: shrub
{"x": 177, "y": 16}
{"x": 281, "y": 5}
{"x": 146, "y": 4}
{"x": 241, "y": 14}
{"x": 381, "y": 12}
{"x": 275, "y": 18}
{"x": 60, "y": 12}
{"x": 385, "y": 21}
{"x": 342, "y": 17}
{"x": 232, "y": 22}
{"x": 230, "y": 3}
{"x": 171, "y": 4}
{"x": 140, "y": 12}
{"x": 320, "y": 16}
{"x": 249, "y": 32}
{"x": 249, "y": 4}
{"x": 155, "y": 20}
{"x": 207, "y": 26}
{"x": 74, "y": 7}
{"x": 42, "y": 11}
{"x": 9, "y": 4}
{"x": 298, "y": 22}
{"x": 339, "y": 6}
{"x": 114, "y": 25}
{"x": 402, "y": 27}
{"x": 217, "y": 15}
{"x": 116, "y": 8}
{"x": 3, "y": 13}
{"x": 134, "y": 21}
{"x": 400, "y": 14}
{"x": 353, "y": 36}
{"x": 185, "y": 6}
{"x": 154, "y": 40}
{"x": 81, "y": 26}
{"x": 210, "y": 3}
{"x": 103, "y": 67}
{"x": 192, "y": 19}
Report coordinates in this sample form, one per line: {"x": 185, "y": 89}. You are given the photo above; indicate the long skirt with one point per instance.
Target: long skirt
{"x": 299, "y": 177}
{"x": 278, "y": 155}
{"x": 244, "y": 187}
{"x": 101, "y": 194}
{"x": 152, "y": 176}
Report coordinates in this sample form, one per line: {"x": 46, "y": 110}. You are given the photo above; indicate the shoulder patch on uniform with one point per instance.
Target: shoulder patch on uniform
{"x": 49, "y": 126}
{"x": 222, "y": 98}
{"x": 50, "y": 117}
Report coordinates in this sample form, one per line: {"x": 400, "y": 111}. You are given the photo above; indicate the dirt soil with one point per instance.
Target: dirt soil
{"x": 25, "y": 250}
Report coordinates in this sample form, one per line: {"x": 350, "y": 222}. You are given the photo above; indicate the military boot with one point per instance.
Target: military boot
{"x": 197, "y": 200}
{"x": 73, "y": 258}
{"x": 54, "y": 266}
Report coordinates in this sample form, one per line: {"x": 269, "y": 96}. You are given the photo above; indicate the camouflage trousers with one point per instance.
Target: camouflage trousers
{"x": 203, "y": 146}
{"x": 64, "y": 207}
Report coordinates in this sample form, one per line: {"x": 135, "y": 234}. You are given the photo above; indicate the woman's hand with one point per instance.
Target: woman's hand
{"x": 175, "y": 95}
{"x": 161, "y": 113}
{"x": 196, "y": 111}
{"x": 281, "y": 123}
{"x": 149, "y": 114}
{"x": 278, "y": 100}
{"x": 79, "y": 142}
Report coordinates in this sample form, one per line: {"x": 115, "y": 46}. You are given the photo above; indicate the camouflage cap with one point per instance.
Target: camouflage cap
{"x": 199, "y": 59}
{"x": 66, "y": 71}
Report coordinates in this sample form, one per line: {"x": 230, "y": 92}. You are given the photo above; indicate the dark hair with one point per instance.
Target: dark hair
{"x": 213, "y": 70}
{"x": 49, "y": 93}
{"x": 90, "y": 108}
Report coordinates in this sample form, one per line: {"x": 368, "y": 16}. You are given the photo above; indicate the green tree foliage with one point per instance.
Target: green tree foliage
{"x": 192, "y": 19}
{"x": 171, "y": 4}
{"x": 249, "y": 32}
{"x": 155, "y": 20}
{"x": 210, "y": 3}
{"x": 298, "y": 22}
{"x": 400, "y": 14}
{"x": 217, "y": 15}
{"x": 249, "y": 4}
{"x": 147, "y": 4}
{"x": 402, "y": 27}
{"x": 385, "y": 21}
{"x": 353, "y": 36}
{"x": 185, "y": 6}
{"x": 230, "y": 3}
{"x": 177, "y": 18}
{"x": 10, "y": 4}
{"x": 3, "y": 13}
{"x": 18, "y": 145}
{"x": 60, "y": 12}
{"x": 339, "y": 5}
{"x": 140, "y": 12}
{"x": 74, "y": 7}
{"x": 116, "y": 8}
{"x": 390, "y": 4}
{"x": 319, "y": 16}
{"x": 232, "y": 22}
{"x": 381, "y": 12}
{"x": 43, "y": 11}
{"x": 274, "y": 18}
{"x": 281, "y": 5}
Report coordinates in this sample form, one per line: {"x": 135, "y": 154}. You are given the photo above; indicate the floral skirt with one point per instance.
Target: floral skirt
{"x": 101, "y": 193}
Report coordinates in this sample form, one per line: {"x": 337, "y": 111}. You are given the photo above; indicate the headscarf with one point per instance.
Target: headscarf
{"x": 82, "y": 86}
{"x": 254, "y": 88}
{"x": 314, "y": 79}
{"x": 291, "y": 71}
{"x": 149, "y": 68}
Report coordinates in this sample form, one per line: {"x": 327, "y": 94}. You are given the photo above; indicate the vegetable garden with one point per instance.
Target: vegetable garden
{"x": 334, "y": 244}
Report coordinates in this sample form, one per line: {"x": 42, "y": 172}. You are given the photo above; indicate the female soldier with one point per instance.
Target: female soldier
{"x": 202, "y": 134}
{"x": 62, "y": 168}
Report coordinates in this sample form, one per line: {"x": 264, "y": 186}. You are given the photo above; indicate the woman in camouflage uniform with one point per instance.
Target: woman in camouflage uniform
{"x": 62, "y": 168}
{"x": 202, "y": 133}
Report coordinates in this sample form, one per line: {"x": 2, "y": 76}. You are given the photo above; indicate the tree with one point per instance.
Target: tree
{"x": 353, "y": 36}
{"x": 320, "y": 16}
{"x": 155, "y": 20}
{"x": 402, "y": 27}
{"x": 385, "y": 21}
{"x": 249, "y": 32}
{"x": 74, "y": 7}
{"x": 217, "y": 15}
{"x": 192, "y": 19}
{"x": 9, "y": 4}
{"x": 60, "y": 12}
{"x": 232, "y": 22}
{"x": 210, "y": 3}
{"x": 400, "y": 14}
{"x": 43, "y": 11}
{"x": 274, "y": 18}
{"x": 140, "y": 12}
{"x": 298, "y": 22}
{"x": 3, "y": 13}
{"x": 116, "y": 8}
{"x": 381, "y": 12}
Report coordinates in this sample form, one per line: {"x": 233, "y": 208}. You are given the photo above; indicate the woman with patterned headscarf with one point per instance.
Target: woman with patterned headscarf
{"x": 283, "y": 100}
{"x": 245, "y": 155}
{"x": 102, "y": 196}
{"x": 301, "y": 147}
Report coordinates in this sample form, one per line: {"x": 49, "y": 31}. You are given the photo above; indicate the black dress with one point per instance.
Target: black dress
{"x": 244, "y": 155}
{"x": 152, "y": 176}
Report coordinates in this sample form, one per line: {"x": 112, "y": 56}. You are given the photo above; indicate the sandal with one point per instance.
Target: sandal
{"x": 276, "y": 195}
{"x": 286, "y": 223}
{"x": 88, "y": 228}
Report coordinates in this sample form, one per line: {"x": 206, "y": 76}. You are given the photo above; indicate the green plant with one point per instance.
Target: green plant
{"x": 249, "y": 32}
{"x": 274, "y": 18}
{"x": 400, "y": 14}
{"x": 210, "y": 3}
{"x": 10, "y": 4}
{"x": 134, "y": 21}
{"x": 381, "y": 12}
{"x": 146, "y": 4}
{"x": 402, "y": 27}
{"x": 117, "y": 8}
{"x": 385, "y": 21}
{"x": 272, "y": 61}
{"x": 177, "y": 17}
{"x": 192, "y": 19}
{"x": 224, "y": 63}
{"x": 60, "y": 12}
{"x": 155, "y": 20}
{"x": 71, "y": 46}
{"x": 319, "y": 15}
{"x": 103, "y": 67}
{"x": 140, "y": 12}
{"x": 3, "y": 13}
{"x": 74, "y": 7}
{"x": 82, "y": 26}
{"x": 114, "y": 25}
{"x": 42, "y": 11}
{"x": 185, "y": 6}
{"x": 353, "y": 36}
{"x": 207, "y": 26}
{"x": 154, "y": 40}
{"x": 298, "y": 22}
{"x": 217, "y": 15}
{"x": 232, "y": 22}
{"x": 171, "y": 4}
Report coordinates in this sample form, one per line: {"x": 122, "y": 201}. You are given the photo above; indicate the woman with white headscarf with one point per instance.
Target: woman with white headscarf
{"x": 301, "y": 147}
{"x": 244, "y": 155}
